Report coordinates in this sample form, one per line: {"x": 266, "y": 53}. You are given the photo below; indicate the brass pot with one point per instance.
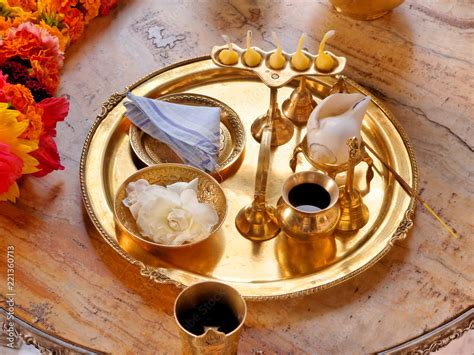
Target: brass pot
{"x": 303, "y": 225}
{"x": 365, "y": 9}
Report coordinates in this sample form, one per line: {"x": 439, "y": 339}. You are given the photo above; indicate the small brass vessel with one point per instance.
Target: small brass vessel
{"x": 201, "y": 297}
{"x": 365, "y": 10}
{"x": 300, "y": 224}
{"x": 354, "y": 213}
{"x": 299, "y": 105}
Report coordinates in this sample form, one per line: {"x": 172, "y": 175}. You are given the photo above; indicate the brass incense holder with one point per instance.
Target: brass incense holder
{"x": 257, "y": 221}
{"x": 354, "y": 213}
{"x": 282, "y": 129}
{"x": 299, "y": 105}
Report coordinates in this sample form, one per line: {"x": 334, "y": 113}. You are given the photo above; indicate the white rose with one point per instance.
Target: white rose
{"x": 170, "y": 215}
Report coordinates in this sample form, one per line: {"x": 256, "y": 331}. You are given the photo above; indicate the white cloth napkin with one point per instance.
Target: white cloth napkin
{"x": 193, "y": 132}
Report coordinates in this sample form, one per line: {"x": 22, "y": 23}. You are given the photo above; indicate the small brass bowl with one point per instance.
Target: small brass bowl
{"x": 209, "y": 191}
{"x": 303, "y": 225}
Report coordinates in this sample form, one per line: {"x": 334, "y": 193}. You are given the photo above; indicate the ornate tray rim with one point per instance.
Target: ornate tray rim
{"x": 154, "y": 274}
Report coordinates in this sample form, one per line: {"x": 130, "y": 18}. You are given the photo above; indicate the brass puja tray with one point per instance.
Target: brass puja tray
{"x": 280, "y": 267}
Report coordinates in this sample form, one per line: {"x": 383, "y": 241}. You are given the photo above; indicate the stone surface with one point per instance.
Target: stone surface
{"x": 418, "y": 60}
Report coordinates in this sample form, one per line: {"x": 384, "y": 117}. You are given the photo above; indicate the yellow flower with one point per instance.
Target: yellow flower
{"x": 10, "y": 130}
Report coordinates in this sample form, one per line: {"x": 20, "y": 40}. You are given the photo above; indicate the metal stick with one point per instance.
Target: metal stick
{"x": 411, "y": 191}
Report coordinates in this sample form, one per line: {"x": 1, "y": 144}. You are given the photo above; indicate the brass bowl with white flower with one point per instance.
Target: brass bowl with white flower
{"x": 175, "y": 216}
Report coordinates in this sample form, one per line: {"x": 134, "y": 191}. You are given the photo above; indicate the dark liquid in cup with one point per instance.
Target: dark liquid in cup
{"x": 309, "y": 197}
{"x": 209, "y": 314}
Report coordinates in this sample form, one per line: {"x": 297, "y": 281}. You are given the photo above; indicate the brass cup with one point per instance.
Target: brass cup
{"x": 307, "y": 226}
{"x": 207, "y": 294}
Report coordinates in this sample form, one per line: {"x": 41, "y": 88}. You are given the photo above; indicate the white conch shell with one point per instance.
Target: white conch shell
{"x": 336, "y": 119}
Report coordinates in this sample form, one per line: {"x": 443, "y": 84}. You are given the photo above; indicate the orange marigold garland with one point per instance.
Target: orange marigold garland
{"x": 33, "y": 37}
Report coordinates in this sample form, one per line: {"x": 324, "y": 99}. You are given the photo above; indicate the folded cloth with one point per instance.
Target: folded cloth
{"x": 193, "y": 132}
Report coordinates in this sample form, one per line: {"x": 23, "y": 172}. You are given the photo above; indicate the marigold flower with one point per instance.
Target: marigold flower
{"x": 59, "y": 31}
{"x": 27, "y": 5}
{"x": 74, "y": 20}
{"x": 12, "y": 16}
{"x": 34, "y": 43}
{"x": 19, "y": 96}
{"x": 33, "y": 37}
{"x": 92, "y": 9}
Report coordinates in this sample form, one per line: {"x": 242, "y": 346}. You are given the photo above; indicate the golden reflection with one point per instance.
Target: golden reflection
{"x": 200, "y": 258}
{"x": 296, "y": 258}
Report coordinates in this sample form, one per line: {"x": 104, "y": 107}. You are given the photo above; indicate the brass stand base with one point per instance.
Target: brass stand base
{"x": 298, "y": 107}
{"x": 354, "y": 213}
{"x": 333, "y": 170}
{"x": 257, "y": 222}
{"x": 282, "y": 128}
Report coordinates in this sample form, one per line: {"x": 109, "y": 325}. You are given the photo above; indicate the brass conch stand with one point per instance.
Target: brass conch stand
{"x": 258, "y": 221}
{"x": 354, "y": 213}
{"x": 332, "y": 169}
